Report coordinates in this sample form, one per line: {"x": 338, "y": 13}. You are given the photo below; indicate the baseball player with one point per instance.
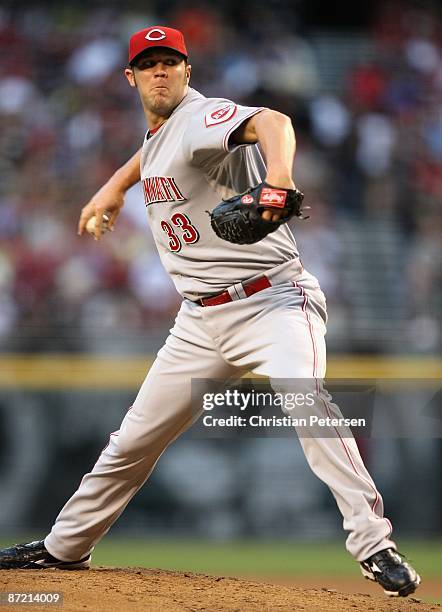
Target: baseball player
{"x": 248, "y": 305}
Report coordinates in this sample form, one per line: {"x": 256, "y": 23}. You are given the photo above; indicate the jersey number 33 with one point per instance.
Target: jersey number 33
{"x": 179, "y": 229}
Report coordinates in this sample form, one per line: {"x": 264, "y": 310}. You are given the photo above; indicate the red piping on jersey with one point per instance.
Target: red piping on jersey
{"x": 235, "y": 125}
{"x": 326, "y": 404}
{"x": 151, "y": 132}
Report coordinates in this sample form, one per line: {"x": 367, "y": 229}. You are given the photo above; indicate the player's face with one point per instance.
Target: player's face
{"x": 161, "y": 77}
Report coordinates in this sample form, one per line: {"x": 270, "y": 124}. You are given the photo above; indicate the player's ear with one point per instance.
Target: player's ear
{"x": 188, "y": 71}
{"x": 130, "y": 76}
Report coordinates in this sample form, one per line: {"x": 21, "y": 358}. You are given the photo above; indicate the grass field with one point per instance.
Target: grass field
{"x": 252, "y": 557}
{"x": 248, "y": 556}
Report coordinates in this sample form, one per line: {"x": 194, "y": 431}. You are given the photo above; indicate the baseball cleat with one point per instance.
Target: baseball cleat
{"x": 396, "y": 576}
{"x": 35, "y": 556}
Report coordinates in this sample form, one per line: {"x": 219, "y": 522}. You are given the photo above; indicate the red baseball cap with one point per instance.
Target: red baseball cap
{"x": 156, "y": 36}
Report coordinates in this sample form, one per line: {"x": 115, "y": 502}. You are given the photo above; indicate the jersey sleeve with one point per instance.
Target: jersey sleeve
{"x": 206, "y": 140}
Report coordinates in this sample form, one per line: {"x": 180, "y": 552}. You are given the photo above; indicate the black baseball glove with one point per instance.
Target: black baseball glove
{"x": 239, "y": 219}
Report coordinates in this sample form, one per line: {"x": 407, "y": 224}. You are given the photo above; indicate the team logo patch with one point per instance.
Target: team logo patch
{"x": 155, "y": 34}
{"x": 247, "y": 199}
{"x": 220, "y": 115}
{"x": 273, "y": 197}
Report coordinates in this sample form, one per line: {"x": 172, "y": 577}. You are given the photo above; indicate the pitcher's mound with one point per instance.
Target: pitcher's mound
{"x": 151, "y": 590}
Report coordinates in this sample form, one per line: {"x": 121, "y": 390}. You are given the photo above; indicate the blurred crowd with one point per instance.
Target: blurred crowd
{"x": 369, "y": 159}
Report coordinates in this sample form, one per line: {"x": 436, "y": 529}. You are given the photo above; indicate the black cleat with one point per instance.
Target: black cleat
{"x": 395, "y": 575}
{"x": 35, "y": 556}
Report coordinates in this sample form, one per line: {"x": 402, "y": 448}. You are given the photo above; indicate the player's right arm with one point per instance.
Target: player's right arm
{"x": 110, "y": 198}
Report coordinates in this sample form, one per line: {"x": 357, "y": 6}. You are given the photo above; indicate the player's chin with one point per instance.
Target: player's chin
{"x": 162, "y": 103}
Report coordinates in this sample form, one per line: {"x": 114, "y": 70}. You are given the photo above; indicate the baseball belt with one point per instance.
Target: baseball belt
{"x": 246, "y": 288}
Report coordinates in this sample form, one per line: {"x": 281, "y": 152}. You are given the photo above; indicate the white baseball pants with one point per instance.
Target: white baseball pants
{"x": 277, "y": 332}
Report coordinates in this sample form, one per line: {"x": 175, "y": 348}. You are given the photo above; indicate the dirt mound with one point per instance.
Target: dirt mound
{"x": 140, "y": 589}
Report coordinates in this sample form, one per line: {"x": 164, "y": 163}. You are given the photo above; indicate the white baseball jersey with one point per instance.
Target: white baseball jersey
{"x": 187, "y": 167}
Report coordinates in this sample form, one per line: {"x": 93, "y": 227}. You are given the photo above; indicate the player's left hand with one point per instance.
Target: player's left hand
{"x": 241, "y": 220}
{"x": 283, "y": 182}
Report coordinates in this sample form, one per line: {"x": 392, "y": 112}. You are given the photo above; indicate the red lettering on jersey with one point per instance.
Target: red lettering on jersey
{"x": 165, "y": 185}
{"x": 143, "y": 185}
{"x": 160, "y": 194}
{"x": 220, "y": 115}
{"x": 159, "y": 189}
{"x": 178, "y": 195}
{"x": 155, "y": 189}
{"x": 273, "y": 197}
{"x": 148, "y": 192}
